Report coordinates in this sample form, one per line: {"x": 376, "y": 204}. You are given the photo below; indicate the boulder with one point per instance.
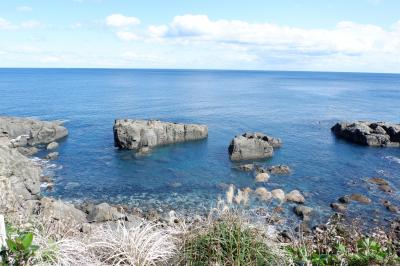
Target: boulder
{"x": 278, "y": 194}
{"x": 279, "y": 170}
{"x": 295, "y": 196}
{"x": 390, "y": 207}
{"x": 31, "y": 132}
{"x": 344, "y": 199}
{"x": 245, "y": 167}
{"x": 58, "y": 210}
{"x": 263, "y": 193}
{"x": 103, "y": 212}
{"x": 338, "y": 207}
{"x": 251, "y": 146}
{"x": 377, "y": 134}
{"x": 28, "y": 151}
{"x": 262, "y": 177}
{"x": 52, "y": 156}
{"x": 144, "y": 134}
{"x": 360, "y": 198}
{"x": 303, "y": 211}
{"x": 52, "y": 146}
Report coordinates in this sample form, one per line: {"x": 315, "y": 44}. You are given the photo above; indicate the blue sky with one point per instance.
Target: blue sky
{"x": 356, "y": 35}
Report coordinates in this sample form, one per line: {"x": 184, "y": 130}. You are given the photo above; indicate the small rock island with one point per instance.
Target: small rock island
{"x": 251, "y": 146}
{"x": 142, "y": 135}
{"x": 377, "y": 134}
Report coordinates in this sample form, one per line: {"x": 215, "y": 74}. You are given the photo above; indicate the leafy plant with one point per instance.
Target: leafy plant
{"x": 19, "y": 248}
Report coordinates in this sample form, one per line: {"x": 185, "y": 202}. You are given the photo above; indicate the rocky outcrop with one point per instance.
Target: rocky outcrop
{"x": 19, "y": 177}
{"x": 251, "y": 146}
{"x": 103, "y": 212}
{"x": 144, "y": 134}
{"x": 30, "y": 132}
{"x": 378, "y": 134}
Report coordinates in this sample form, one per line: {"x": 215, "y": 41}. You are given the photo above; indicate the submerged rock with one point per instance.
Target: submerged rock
{"x": 262, "y": 177}
{"x": 338, "y": 207}
{"x": 377, "y": 134}
{"x": 360, "y": 198}
{"x": 279, "y": 170}
{"x": 303, "y": 211}
{"x": 251, "y": 146}
{"x": 278, "y": 194}
{"x": 263, "y": 193}
{"x": 52, "y": 156}
{"x": 386, "y": 188}
{"x": 295, "y": 196}
{"x": 144, "y": 134}
{"x": 52, "y": 146}
{"x": 26, "y": 131}
{"x": 245, "y": 167}
{"x": 378, "y": 181}
{"x": 390, "y": 207}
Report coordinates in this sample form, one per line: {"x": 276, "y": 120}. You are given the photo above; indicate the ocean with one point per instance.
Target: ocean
{"x": 298, "y": 107}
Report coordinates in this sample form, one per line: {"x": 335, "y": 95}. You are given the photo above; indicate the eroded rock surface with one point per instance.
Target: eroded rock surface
{"x": 378, "y": 134}
{"x": 144, "y": 134}
{"x": 251, "y": 146}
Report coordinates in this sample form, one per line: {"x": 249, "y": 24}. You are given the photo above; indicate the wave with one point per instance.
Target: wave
{"x": 393, "y": 159}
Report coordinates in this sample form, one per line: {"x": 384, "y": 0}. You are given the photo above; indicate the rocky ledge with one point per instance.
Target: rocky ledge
{"x": 378, "y": 134}
{"x": 142, "y": 135}
{"x": 251, "y": 146}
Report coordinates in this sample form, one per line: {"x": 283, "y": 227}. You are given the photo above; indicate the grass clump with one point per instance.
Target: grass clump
{"x": 228, "y": 242}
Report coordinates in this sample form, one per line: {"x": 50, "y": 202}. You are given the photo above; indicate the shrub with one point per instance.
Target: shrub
{"x": 227, "y": 242}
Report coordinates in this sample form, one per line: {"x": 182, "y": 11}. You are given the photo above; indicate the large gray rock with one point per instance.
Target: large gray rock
{"x": 378, "y": 134}
{"x": 26, "y": 131}
{"x": 19, "y": 178}
{"x": 52, "y": 209}
{"x": 103, "y": 212}
{"x": 144, "y": 134}
{"x": 252, "y": 146}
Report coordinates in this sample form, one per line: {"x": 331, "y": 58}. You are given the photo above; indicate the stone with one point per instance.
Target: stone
{"x": 390, "y": 207}
{"x": 303, "y": 211}
{"x": 250, "y": 146}
{"x": 378, "y": 181}
{"x": 246, "y": 167}
{"x": 279, "y": 170}
{"x": 295, "y": 196}
{"x": 58, "y": 210}
{"x": 386, "y": 188}
{"x": 52, "y": 146}
{"x": 263, "y": 194}
{"x": 278, "y": 194}
{"x": 35, "y": 131}
{"x": 28, "y": 151}
{"x": 103, "y": 212}
{"x": 338, "y": 207}
{"x": 376, "y": 134}
{"x": 146, "y": 134}
{"x": 262, "y": 177}
{"x": 52, "y": 156}
{"x": 344, "y": 199}
{"x": 360, "y": 198}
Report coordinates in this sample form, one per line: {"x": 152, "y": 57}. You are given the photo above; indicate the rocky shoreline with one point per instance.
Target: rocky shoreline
{"x": 21, "y": 178}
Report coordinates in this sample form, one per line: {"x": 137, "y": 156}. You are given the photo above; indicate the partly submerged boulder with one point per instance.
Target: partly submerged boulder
{"x": 252, "y": 146}
{"x": 142, "y": 134}
{"x": 378, "y": 134}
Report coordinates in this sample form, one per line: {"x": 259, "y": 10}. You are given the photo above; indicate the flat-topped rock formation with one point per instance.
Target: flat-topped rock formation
{"x": 30, "y": 132}
{"x": 144, "y": 134}
{"x": 378, "y": 134}
{"x": 251, "y": 146}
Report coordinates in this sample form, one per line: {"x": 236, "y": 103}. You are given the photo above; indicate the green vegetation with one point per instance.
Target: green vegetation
{"x": 19, "y": 248}
{"x": 228, "y": 242}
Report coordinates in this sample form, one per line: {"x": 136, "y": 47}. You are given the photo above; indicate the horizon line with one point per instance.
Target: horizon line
{"x": 202, "y": 69}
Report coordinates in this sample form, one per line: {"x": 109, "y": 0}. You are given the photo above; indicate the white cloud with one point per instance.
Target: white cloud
{"x": 24, "y": 9}
{"x": 5, "y": 24}
{"x": 121, "y": 21}
{"x": 347, "y": 37}
{"x": 127, "y": 36}
{"x": 30, "y": 24}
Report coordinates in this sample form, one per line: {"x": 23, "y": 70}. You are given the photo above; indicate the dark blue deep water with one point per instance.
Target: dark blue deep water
{"x": 299, "y": 107}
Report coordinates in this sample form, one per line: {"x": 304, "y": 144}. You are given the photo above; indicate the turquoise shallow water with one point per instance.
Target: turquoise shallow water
{"x": 299, "y": 107}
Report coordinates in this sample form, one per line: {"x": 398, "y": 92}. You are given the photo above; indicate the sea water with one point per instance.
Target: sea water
{"x": 298, "y": 107}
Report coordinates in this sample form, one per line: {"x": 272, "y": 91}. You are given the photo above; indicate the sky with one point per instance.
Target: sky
{"x": 303, "y": 35}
